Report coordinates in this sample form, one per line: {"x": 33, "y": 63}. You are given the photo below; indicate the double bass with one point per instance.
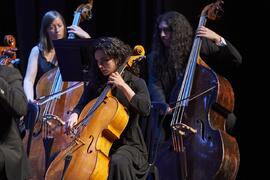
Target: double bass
{"x": 101, "y": 122}
{"x": 47, "y": 137}
{"x": 201, "y": 147}
{"x": 198, "y": 132}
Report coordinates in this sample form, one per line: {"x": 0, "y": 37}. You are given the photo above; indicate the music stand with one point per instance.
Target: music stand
{"x": 74, "y": 58}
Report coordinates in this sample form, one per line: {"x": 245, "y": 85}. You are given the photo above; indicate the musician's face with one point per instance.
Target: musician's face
{"x": 57, "y": 29}
{"x": 105, "y": 64}
{"x": 165, "y": 33}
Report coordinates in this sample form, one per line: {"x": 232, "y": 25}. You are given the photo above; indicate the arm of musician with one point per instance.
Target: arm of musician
{"x": 12, "y": 97}
{"x": 31, "y": 72}
{"x": 218, "y": 51}
{"x": 78, "y": 31}
{"x": 211, "y": 35}
{"x": 88, "y": 94}
{"x": 138, "y": 98}
{"x": 117, "y": 81}
{"x": 72, "y": 120}
{"x": 141, "y": 100}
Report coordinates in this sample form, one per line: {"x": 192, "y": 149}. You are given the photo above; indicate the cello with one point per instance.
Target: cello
{"x": 48, "y": 131}
{"x": 101, "y": 122}
{"x": 8, "y": 52}
{"x": 199, "y": 136}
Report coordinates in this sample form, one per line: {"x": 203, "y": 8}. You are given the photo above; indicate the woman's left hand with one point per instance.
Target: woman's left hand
{"x": 78, "y": 31}
{"x": 116, "y": 80}
{"x": 203, "y": 31}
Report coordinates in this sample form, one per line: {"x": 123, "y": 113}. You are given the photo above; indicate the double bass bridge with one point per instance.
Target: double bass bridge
{"x": 183, "y": 129}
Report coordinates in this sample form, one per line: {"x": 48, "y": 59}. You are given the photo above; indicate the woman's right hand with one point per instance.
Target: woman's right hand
{"x": 72, "y": 120}
{"x": 169, "y": 110}
{"x": 203, "y": 31}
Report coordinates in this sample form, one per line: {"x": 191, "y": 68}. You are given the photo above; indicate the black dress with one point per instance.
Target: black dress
{"x": 13, "y": 104}
{"x": 43, "y": 66}
{"x": 128, "y": 155}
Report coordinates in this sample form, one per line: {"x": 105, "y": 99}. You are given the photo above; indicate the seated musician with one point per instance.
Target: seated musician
{"x": 128, "y": 155}
{"x": 43, "y": 57}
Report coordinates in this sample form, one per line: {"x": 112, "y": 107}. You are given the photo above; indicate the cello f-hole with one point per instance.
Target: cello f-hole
{"x": 89, "y": 151}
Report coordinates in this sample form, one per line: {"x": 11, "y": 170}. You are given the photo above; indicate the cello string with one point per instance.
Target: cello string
{"x": 49, "y": 107}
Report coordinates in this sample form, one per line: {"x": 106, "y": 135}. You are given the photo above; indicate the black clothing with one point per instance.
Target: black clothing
{"x": 13, "y": 104}
{"x": 218, "y": 58}
{"x": 129, "y": 153}
{"x": 43, "y": 66}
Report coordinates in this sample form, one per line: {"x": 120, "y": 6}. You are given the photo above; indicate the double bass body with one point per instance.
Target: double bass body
{"x": 208, "y": 153}
{"x": 211, "y": 152}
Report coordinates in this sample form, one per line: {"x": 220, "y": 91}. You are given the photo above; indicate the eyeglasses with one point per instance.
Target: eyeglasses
{"x": 166, "y": 30}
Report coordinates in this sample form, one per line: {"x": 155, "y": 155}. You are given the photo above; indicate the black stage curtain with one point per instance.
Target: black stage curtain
{"x": 132, "y": 20}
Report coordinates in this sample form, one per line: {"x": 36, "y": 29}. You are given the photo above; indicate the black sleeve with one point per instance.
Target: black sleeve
{"x": 141, "y": 100}
{"x": 220, "y": 58}
{"x": 88, "y": 94}
{"x": 12, "y": 97}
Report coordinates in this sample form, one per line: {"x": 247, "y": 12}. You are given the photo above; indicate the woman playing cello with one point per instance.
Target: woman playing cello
{"x": 128, "y": 155}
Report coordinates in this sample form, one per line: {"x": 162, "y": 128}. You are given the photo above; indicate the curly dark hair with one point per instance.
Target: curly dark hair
{"x": 175, "y": 56}
{"x": 113, "y": 48}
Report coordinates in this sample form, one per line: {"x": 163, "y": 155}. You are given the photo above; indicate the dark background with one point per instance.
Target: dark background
{"x": 132, "y": 21}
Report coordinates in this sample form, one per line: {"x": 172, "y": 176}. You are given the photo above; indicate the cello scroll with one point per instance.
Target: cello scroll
{"x": 8, "y": 52}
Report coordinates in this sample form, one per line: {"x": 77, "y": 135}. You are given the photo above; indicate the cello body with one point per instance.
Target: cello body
{"x": 48, "y": 133}
{"x": 89, "y": 153}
